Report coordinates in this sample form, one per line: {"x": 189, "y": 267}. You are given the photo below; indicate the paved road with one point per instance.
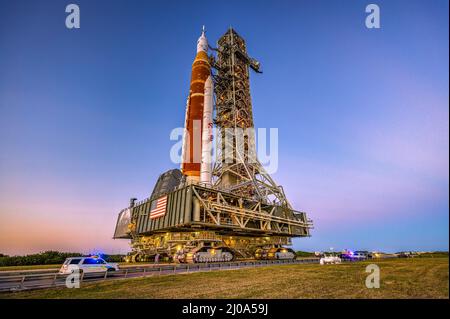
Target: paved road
{"x": 56, "y": 269}
{"x": 15, "y": 282}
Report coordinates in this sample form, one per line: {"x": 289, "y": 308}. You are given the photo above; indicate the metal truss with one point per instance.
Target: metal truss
{"x": 229, "y": 212}
{"x": 236, "y": 168}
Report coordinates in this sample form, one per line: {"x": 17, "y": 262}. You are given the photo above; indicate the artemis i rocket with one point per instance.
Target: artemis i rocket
{"x": 197, "y": 139}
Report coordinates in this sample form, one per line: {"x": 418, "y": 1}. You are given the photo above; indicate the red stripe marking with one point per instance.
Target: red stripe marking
{"x": 156, "y": 216}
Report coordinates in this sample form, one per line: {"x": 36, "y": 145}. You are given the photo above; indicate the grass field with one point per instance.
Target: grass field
{"x": 400, "y": 278}
{"x": 29, "y": 267}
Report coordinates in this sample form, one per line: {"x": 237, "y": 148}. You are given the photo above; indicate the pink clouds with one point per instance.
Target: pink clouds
{"x": 414, "y": 137}
{"x": 49, "y": 213}
{"x": 398, "y": 160}
{"x": 333, "y": 193}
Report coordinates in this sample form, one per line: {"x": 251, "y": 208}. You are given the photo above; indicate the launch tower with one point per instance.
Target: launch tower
{"x": 237, "y": 168}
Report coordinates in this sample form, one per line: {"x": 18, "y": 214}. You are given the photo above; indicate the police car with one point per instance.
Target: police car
{"x": 86, "y": 265}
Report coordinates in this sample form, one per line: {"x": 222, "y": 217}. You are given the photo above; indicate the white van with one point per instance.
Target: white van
{"x": 329, "y": 259}
{"x": 87, "y": 264}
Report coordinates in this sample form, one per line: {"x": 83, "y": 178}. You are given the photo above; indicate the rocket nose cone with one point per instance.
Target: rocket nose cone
{"x": 202, "y": 43}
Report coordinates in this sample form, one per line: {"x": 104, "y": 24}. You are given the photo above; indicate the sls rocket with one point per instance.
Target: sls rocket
{"x": 197, "y": 140}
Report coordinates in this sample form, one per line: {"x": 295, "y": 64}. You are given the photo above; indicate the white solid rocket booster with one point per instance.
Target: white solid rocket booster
{"x": 207, "y": 134}
{"x": 184, "y": 146}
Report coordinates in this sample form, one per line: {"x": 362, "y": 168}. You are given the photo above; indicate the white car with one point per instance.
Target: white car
{"x": 330, "y": 260}
{"x": 87, "y": 264}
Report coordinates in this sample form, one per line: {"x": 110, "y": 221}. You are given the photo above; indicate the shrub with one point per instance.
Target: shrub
{"x": 44, "y": 258}
{"x": 300, "y": 253}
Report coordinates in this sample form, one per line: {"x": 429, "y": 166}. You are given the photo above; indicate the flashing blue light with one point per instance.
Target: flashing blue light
{"x": 97, "y": 255}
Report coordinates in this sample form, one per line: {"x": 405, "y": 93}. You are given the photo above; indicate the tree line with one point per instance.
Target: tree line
{"x": 47, "y": 258}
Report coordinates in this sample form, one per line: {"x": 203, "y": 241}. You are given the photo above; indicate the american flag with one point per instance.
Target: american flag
{"x": 158, "y": 208}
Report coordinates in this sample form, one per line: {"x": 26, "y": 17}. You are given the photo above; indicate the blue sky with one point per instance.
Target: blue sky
{"x": 85, "y": 115}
